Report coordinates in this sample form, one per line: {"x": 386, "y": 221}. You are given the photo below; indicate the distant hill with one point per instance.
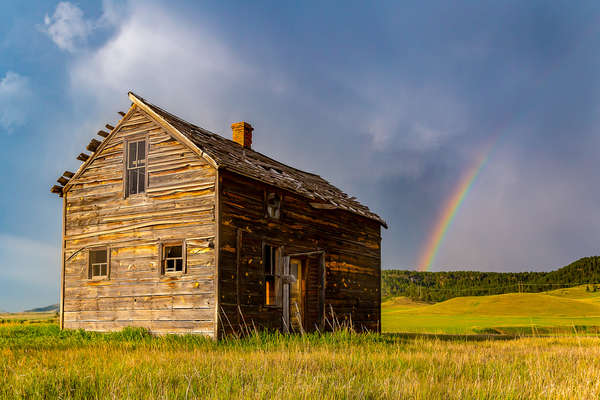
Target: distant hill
{"x": 440, "y": 286}
{"x": 564, "y": 311}
{"x": 50, "y": 308}
{"x": 517, "y": 304}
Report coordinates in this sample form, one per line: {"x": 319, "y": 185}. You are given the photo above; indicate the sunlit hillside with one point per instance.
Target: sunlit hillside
{"x": 574, "y": 309}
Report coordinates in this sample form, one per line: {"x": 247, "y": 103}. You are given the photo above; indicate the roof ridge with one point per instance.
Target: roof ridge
{"x": 173, "y": 115}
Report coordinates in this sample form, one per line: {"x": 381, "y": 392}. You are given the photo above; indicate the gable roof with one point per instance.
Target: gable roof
{"x": 228, "y": 155}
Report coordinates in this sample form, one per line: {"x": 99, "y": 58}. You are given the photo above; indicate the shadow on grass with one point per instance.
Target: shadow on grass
{"x": 473, "y": 337}
{"x": 49, "y": 336}
{"x": 503, "y": 333}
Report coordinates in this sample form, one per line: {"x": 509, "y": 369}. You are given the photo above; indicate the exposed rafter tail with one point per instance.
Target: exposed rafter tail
{"x": 93, "y": 145}
{"x": 83, "y": 157}
{"x": 87, "y": 158}
{"x": 57, "y": 189}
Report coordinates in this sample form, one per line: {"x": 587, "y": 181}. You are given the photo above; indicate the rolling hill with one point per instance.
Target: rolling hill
{"x": 52, "y": 307}
{"x": 582, "y": 292}
{"x": 572, "y": 309}
{"x": 444, "y": 285}
{"x": 516, "y": 304}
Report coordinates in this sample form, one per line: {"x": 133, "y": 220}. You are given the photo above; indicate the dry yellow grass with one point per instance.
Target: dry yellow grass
{"x": 37, "y": 362}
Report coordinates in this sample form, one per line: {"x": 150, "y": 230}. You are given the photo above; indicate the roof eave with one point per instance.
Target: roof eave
{"x": 330, "y": 206}
{"x": 93, "y": 156}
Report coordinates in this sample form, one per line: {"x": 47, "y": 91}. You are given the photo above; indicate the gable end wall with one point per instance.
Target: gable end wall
{"x": 179, "y": 204}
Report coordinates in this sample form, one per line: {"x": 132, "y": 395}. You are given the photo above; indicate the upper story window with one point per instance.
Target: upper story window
{"x": 98, "y": 263}
{"x": 136, "y": 167}
{"x": 273, "y": 205}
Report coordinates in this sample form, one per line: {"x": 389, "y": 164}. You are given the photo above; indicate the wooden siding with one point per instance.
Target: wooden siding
{"x": 179, "y": 204}
{"x": 351, "y": 242}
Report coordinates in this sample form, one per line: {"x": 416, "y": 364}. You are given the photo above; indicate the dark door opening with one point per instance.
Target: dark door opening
{"x": 303, "y": 292}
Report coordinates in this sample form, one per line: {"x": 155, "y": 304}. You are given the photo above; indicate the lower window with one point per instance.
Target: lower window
{"x": 98, "y": 263}
{"x": 272, "y": 276}
{"x": 173, "y": 259}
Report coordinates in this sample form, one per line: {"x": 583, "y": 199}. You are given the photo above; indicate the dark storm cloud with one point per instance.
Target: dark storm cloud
{"x": 393, "y": 104}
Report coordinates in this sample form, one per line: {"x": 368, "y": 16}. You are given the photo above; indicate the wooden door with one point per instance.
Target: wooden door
{"x": 303, "y": 291}
{"x": 297, "y": 294}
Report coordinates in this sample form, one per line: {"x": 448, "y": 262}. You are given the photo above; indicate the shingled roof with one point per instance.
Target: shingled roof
{"x": 230, "y": 156}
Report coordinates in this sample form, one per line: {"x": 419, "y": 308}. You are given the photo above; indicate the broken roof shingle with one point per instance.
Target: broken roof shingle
{"x": 244, "y": 161}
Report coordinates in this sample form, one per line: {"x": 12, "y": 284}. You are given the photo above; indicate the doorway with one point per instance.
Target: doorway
{"x": 297, "y": 295}
{"x": 303, "y": 291}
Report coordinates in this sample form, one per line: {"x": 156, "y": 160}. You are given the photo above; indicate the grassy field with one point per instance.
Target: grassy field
{"x": 28, "y": 317}
{"x": 38, "y": 361}
{"x": 572, "y": 310}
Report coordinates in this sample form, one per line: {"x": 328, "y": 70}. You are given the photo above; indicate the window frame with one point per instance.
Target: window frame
{"x": 90, "y": 270}
{"x": 277, "y": 275}
{"x": 126, "y": 142}
{"x": 161, "y": 257}
{"x": 267, "y": 194}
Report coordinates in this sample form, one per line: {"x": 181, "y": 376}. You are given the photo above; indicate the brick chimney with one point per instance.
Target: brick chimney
{"x": 242, "y": 134}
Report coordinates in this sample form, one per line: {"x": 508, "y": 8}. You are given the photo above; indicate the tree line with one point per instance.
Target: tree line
{"x": 444, "y": 285}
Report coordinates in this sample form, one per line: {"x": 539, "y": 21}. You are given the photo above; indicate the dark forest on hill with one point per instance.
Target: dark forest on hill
{"x": 440, "y": 286}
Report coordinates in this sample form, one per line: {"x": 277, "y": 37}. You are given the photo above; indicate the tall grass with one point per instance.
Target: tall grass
{"x": 40, "y": 361}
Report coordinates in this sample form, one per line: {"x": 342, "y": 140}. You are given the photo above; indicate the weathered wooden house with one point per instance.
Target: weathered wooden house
{"x": 174, "y": 228}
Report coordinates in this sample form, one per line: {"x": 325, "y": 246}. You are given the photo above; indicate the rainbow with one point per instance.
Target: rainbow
{"x": 451, "y": 206}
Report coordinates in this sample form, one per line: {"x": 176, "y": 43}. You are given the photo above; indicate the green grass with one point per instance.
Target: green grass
{"x": 402, "y": 303}
{"x": 560, "y": 311}
{"x": 577, "y": 292}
